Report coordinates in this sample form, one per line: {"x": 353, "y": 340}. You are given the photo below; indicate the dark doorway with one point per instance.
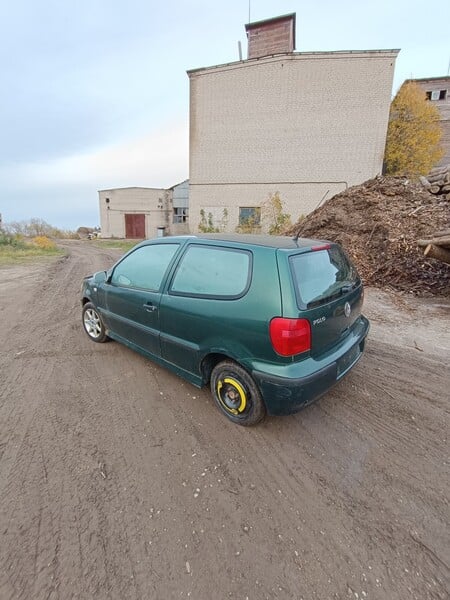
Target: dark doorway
{"x": 135, "y": 226}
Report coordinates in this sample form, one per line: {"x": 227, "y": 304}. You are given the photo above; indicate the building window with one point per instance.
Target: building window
{"x": 180, "y": 215}
{"x": 249, "y": 216}
{"x": 437, "y": 95}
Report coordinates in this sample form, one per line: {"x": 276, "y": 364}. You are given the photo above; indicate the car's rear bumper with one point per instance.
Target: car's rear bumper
{"x": 284, "y": 395}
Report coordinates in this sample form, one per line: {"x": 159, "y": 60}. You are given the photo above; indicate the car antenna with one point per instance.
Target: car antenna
{"x": 295, "y": 238}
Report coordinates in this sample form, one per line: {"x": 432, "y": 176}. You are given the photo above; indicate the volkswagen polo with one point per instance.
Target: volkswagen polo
{"x": 270, "y": 323}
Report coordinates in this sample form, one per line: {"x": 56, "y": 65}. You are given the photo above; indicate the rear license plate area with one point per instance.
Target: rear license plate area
{"x": 348, "y": 360}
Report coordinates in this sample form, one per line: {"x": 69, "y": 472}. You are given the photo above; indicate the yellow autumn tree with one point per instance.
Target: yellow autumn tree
{"x": 414, "y": 133}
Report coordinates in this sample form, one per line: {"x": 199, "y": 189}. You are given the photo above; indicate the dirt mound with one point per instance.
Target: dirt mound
{"x": 379, "y": 223}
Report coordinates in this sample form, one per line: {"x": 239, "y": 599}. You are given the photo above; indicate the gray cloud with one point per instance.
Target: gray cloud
{"x": 84, "y": 83}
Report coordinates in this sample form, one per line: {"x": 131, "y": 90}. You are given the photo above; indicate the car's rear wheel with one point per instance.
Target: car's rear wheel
{"x": 236, "y": 394}
{"x": 93, "y": 324}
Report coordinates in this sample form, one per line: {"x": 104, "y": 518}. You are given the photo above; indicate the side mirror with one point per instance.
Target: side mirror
{"x": 100, "y": 277}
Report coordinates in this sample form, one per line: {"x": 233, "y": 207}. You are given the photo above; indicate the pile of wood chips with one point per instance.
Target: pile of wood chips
{"x": 379, "y": 223}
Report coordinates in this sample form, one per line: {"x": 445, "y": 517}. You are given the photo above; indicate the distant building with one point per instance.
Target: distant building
{"x": 180, "y": 208}
{"x": 140, "y": 212}
{"x": 303, "y": 124}
{"x": 437, "y": 90}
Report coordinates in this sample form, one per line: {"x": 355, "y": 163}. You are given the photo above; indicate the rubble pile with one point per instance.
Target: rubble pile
{"x": 379, "y": 223}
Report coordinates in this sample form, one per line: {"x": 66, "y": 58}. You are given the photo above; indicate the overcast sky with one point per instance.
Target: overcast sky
{"x": 94, "y": 93}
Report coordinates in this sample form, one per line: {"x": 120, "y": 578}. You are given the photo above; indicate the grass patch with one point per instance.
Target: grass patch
{"x": 16, "y": 249}
{"x": 11, "y": 255}
{"x": 124, "y": 245}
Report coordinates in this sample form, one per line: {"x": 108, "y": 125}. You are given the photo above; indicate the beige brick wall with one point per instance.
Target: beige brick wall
{"x": 134, "y": 200}
{"x": 300, "y": 124}
{"x": 297, "y": 201}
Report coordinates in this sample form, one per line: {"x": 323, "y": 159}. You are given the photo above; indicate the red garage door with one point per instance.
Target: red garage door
{"x": 135, "y": 226}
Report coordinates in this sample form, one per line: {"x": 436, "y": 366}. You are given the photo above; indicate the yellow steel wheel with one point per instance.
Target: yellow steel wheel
{"x": 232, "y": 395}
{"x": 236, "y": 394}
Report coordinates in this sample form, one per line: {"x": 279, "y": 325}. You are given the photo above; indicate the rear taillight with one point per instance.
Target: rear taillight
{"x": 290, "y": 336}
{"x": 323, "y": 247}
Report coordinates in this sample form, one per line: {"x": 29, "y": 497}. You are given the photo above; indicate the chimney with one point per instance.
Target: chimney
{"x": 272, "y": 36}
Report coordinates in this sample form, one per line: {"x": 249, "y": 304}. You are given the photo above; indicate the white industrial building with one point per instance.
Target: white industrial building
{"x": 303, "y": 124}
{"x": 141, "y": 212}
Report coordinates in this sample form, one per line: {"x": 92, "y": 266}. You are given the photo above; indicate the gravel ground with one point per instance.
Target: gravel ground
{"x": 118, "y": 480}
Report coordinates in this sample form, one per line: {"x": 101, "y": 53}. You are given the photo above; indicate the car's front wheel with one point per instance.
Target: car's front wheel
{"x": 236, "y": 394}
{"x": 93, "y": 324}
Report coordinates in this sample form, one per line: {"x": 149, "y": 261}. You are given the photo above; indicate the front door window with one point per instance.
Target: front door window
{"x": 133, "y": 296}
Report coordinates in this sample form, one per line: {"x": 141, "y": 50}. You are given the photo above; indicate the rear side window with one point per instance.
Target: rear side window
{"x": 145, "y": 267}
{"x": 212, "y": 272}
{"x": 322, "y": 275}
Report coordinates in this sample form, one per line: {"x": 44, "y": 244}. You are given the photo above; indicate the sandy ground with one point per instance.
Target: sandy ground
{"x": 118, "y": 480}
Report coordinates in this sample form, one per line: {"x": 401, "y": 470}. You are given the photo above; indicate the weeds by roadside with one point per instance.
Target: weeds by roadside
{"x": 17, "y": 248}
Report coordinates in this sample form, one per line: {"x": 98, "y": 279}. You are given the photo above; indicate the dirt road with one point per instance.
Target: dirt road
{"x": 118, "y": 480}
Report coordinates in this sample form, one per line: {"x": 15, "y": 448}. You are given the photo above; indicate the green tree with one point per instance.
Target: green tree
{"x": 414, "y": 133}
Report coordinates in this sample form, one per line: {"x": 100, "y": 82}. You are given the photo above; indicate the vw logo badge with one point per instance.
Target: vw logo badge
{"x": 347, "y": 309}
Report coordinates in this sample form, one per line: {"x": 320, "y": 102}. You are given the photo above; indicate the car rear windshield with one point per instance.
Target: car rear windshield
{"x": 322, "y": 275}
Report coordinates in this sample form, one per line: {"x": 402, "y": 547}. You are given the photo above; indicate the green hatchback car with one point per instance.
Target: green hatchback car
{"x": 270, "y": 323}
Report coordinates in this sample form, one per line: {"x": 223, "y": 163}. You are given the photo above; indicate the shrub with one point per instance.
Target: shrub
{"x": 278, "y": 222}
{"x": 38, "y": 227}
{"x": 43, "y": 242}
{"x": 8, "y": 239}
{"x": 207, "y": 225}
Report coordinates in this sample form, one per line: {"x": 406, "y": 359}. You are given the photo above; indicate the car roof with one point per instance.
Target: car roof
{"x": 270, "y": 241}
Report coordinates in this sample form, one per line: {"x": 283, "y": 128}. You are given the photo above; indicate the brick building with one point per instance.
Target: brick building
{"x": 303, "y": 124}
{"x": 437, "y": 90}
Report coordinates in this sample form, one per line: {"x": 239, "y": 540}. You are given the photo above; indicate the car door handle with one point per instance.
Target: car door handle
{"x": 149, "y": 307}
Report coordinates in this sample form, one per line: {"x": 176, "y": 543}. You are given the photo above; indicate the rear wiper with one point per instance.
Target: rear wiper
{"x": 332, "y": 294}
{"x": 346, "y": 288}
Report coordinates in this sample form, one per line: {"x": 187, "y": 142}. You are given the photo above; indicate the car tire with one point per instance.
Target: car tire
{"x": 236, "y": 394}
{"x": 93, "y": 324}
